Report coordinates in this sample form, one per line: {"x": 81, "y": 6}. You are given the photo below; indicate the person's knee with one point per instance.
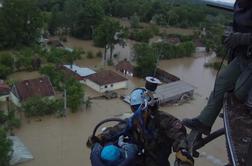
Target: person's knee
{"x": 222, "y": 83}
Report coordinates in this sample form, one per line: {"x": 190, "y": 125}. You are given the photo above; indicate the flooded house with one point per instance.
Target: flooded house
{"x": 4, "y": 91}
{"x": 4, "y": 97}
{"x": 106, "y": 80}
{"x": 23, "y": 90}
{"x": 79, "y": 73}
{"x": 125, "y": 67}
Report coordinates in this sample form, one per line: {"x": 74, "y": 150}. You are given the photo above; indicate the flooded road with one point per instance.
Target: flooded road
{"x": 61, "y": 142}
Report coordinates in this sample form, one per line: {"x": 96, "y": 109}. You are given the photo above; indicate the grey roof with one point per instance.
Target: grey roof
{"x": 173, "y": 91}
{"x": 170, "y": 92}
{"x": 83, "y": 72}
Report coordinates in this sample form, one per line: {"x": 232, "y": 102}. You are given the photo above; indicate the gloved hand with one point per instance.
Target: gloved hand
{"x": 121, "y": 141}
{"x": 237, "y": 39}
{"x": 92, "y": 140}
{"x": 184, "y": 157}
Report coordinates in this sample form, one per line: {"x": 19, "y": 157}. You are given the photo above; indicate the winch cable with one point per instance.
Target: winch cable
{"x": 218, "y": 72}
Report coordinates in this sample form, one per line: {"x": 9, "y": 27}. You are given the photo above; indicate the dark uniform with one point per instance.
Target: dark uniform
{"x": 162, "y": 133}
{"x": 237, "y": 75}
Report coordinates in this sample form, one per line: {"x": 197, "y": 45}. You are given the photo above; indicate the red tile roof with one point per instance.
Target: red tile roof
{"x": 4, "y": 89}
{"x": 125, "y": 65}
{"x": 36, "y": 87}
{"x": 105, "y": 77}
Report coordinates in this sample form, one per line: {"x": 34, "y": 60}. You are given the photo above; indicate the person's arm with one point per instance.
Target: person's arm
{"x": 130, "y": 151}
{"x": 238, "y": 39}
{"x": 112, "y": 133}
{"x": 95, "y": 155}
{"x": 174, "y": 129}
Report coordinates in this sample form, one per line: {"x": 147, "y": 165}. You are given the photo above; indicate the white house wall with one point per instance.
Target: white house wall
{"x": 15, "y": 100}
{"x": 93, "y": 85}
{"x": 4, "y": 98}
{"x": 108, "y": 87}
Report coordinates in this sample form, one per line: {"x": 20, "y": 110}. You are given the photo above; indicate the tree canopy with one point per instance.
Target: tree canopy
{"x": 75, "y": 94}
{"x": 146, "y": 60}
{"x": 20, "y": 23}
{"x": 5, "y": 148}
{"x": 108, "y": 34}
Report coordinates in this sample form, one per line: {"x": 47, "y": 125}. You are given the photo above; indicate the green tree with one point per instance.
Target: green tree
{"x": 3, "y": 118}
{"x": 38, "y": 106}
{"x": 146, "y": 60}
{"x": 83, "y": 16}
{"x": 20, "y": 22}
{"x": 108, "y": 34}
{"x": 13, "y": 121}
{"x": 70, "y": 57}
{"x": 4, "y": 71}
{"x": 75, "y": 94}
{"x": 24, "y": 59}
{"x": 56, "y": 21}
{"x": 7, "y": 59}
{"x": 55, "y": 75}
{"x": 5, "y": 148}
{"x": 142, "y": 35}
{"x": 134, "y": 21}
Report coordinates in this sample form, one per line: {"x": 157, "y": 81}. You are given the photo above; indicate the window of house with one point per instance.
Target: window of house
{"x": 111, "y": 85}
{"x": 106, "y": 86}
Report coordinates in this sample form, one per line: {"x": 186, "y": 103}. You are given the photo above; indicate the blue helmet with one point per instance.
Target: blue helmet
{"x": 110, "y": 153}
{"x": 137, "y": 96}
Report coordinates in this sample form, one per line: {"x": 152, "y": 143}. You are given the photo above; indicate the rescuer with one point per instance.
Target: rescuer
{"x": 237, "y": 76}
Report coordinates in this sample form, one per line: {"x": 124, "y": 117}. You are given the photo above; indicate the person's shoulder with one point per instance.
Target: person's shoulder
{"x": 164, "y": 115}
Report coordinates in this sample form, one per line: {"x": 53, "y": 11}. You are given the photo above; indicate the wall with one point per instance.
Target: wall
{"x": 93, "y": 85}
{"x": 101, "y": 89}
{"x": 15, "y": 100}
{"x": 4, "y": 98}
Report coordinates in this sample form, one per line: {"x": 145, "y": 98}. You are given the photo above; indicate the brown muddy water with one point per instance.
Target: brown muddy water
{"x": 61, "y": 141}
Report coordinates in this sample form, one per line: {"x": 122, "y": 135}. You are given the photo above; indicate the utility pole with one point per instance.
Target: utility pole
{"x": 158, "y": 52}
{"x": 65, "y": 102}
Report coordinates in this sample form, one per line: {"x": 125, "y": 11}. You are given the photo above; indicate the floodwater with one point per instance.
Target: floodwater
{"x": 61, "y": 141}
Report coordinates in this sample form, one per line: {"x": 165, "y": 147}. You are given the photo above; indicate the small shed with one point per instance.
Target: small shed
{"x": 79, "y": 73}
{"x": 174, "y": 91}
{"x": 106, "y": 80}
{"x": 125, "y": 67}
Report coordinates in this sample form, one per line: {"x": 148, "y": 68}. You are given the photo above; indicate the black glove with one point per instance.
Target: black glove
{"x": 237, "y": 39}
{"x": 184, "y": 157}
{"x": 92, "y": 140}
